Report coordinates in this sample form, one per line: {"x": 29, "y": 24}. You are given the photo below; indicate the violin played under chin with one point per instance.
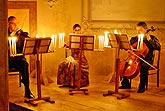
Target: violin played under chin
{"x": 20, "y": 33}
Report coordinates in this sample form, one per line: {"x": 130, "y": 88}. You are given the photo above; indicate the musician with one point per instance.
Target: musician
{"x": 152, "y": 43}
{"x": 68, "y": 69}
{"x": 19, "y": 62}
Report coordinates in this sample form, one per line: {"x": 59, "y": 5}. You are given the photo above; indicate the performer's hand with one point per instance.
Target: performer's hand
{"x": 130, "y": 51}
{"x": 148, "y": 37}
{"x": 66, "y": 45}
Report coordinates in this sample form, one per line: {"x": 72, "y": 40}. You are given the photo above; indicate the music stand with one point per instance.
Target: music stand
{"x": 118, "y": 41}
{"x": 37, "y": 46}
{"x": 80, "y": 42}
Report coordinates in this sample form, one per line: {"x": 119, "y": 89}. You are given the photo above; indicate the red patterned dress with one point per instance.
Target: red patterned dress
{"x": 68, "y": 71}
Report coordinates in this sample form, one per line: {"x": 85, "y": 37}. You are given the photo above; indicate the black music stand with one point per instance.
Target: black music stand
{"x": 118, "y": 41}
{"x": 37, "y": 46}
{"x": 80, "y": 42}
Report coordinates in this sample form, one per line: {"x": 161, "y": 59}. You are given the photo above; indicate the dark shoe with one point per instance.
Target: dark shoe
{"x": 29, "y": 96}
{"x": 125, "y": 87}
{"x": 125, "y": 84}
{"x": 73, "y": 87}
{"x": 141, "y": 90}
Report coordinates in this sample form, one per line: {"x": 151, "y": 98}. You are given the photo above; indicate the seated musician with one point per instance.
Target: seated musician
{"x": 152, "y": 43}
{"x": 68, "y": 69}
{"x": 19, "y": 62}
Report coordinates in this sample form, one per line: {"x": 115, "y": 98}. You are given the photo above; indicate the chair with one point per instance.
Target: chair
{"x": 152, "y": 71}
{"x": 13, "y": 71}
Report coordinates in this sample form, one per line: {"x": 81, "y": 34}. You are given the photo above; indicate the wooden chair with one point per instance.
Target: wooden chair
{"x": 13, "y": 71}
{"x": 152, "y": 71}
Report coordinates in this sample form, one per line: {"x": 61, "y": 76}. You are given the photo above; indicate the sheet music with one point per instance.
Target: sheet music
{"x": 87, "y": 41}
{"x": 124, "y": 42}
{"x": 113, "y": 41}
{"x": 31, "y": 45}
{"x": 116, "y": 40}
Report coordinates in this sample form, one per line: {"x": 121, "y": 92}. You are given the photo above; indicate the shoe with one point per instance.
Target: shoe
{"x": 125, "y": 87}
{"x": 29, "y": 96}
{"x": 141, "y": 90}
{"x": 73, "y": 87}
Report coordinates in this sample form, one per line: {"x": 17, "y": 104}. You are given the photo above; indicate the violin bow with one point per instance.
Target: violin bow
{"x": 144, "y": 61}
{"x": 23, "y": 21}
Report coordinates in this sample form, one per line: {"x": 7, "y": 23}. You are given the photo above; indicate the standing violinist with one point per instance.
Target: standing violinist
{"x": 152, "y": 43}
{"x": 19, "y": 62}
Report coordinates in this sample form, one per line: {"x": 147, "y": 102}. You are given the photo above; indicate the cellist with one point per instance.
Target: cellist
{"x": 152, "y": 43}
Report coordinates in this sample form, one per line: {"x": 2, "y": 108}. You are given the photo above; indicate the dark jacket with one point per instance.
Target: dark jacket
{"x": 152, "y": 44}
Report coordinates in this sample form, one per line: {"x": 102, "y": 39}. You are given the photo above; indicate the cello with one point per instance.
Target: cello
{"x": 130, "y": 66}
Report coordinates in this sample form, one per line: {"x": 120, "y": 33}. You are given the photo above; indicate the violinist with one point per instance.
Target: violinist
{"x": 152, "y": 43}
{"x": 19, "y": 62}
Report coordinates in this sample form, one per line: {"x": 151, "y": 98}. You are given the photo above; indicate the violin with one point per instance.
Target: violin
{"x": 21, "y": 35}
{"x": 130, "y": 66}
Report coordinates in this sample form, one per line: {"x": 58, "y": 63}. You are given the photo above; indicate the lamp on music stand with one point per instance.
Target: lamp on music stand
{"x": 80, "y": 42}
{"x": 118, "y": 41}
{"x": 37, "y": 46}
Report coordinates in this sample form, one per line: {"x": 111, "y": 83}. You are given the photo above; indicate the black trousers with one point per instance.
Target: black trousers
{"x": 143, "y": 75}
{"x": 20, "y": 64}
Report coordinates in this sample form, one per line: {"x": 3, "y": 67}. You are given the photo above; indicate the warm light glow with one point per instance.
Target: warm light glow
{"x": 130, "y": 62}
{"x": 61, "y": 40}
{"x": 140, "y": 41}
{"x": 101, "y": 43}
{"x": 115, "y": 31}
{"x": 12, "y": 45}
{"x": 37, "y": 36}
{"x": 53, "y": 43}
{"x": 43, "y": 35}
{"x": 106, "y": 40}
